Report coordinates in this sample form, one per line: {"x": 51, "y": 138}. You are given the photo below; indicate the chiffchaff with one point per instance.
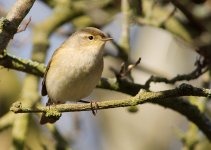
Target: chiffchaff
{"x": 75, "y": 68}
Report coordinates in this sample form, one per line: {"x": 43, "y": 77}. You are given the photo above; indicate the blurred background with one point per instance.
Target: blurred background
{"x": 160, "y": 32}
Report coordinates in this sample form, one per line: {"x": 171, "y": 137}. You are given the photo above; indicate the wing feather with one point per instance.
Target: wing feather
{"x": 44, "y": 89}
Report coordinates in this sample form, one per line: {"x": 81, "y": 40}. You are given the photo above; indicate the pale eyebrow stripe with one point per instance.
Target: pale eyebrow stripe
{"x": 93, "y": 32}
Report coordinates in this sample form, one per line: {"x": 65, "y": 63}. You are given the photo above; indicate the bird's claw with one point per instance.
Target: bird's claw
{"x": 94, "y": 107}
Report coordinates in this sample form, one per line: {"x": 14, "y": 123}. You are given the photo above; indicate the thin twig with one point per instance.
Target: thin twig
{"x": 126, "y": 70}
{"x": 163, "y": 22}
{"x": 122, "y": 54}
{"x": 125, "y": 33}
{"x": 201, "y": 68}
{"x": 194, "y": 21}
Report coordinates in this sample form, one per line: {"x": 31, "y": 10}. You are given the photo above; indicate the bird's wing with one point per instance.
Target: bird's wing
{"x": 44, "y": 90}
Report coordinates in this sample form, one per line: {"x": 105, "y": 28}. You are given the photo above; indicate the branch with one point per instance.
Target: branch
{"x": 24, "y": 65}
{"x": 124, "y": 86}
{"x": 38, "y": 69}
{"x": 194, "y": 21}
{"x": 6, "y": 121}
{"x": 132, "y": 89}
{"x": 140, "y": 98}
{"x": 61, "y": 143}
{"x": 162, "y": 97}
{"x": 121, "y": 51}
{"x": 125, "y": 37}
{"x": 200, "y": 69}
{"x": 30, "y": 92}
{"x": 165, "y": 20}
{"x": 10, "y": 24}
{"x": 190, "y": 111}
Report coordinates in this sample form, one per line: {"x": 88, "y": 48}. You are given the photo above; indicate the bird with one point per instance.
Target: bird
{"x": 74, "y": 69}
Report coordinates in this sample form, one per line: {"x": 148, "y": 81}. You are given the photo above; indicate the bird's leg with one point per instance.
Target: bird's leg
{"x": 49, "y": 103}
{"x": 94, "y": 106}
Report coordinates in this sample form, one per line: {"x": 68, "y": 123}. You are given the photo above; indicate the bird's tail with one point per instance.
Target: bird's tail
{"x": 45, "y": 119}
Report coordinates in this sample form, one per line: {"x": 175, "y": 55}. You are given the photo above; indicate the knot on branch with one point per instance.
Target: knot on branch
{"x": 16, "y": 107}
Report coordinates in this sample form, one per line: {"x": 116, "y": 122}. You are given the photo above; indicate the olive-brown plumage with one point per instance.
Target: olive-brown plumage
{"x": 75, "y": 68}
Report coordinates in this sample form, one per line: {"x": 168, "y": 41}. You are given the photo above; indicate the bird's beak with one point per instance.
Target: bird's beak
{"x": 107, "y": 39}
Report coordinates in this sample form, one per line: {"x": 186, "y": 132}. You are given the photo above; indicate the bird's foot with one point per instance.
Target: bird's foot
{"x": 93, "y": 104}
{"x": 94, "y": 107}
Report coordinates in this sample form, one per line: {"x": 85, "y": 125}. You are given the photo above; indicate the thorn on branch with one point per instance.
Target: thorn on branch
{"x": 25, "y": 26}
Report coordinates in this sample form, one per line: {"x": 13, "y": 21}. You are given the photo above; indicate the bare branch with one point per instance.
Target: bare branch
{"x": 191, "y": 112}
{"x": 194, "y": 21}
{"x": 10, "y": 24}
{"x": 6, "y": 121}
{"x": 121, "y": 52}
{"x": 142, "y": 97}
{"x": 200, "y": 69}
{"x": 61, "y": 143}
{"x": 163, "y": 22}
{"x": 125, "y": 37}
{"x": 125, "y": 69}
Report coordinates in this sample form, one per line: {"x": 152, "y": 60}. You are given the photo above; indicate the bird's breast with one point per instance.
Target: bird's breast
{"x": 73, "y": 75}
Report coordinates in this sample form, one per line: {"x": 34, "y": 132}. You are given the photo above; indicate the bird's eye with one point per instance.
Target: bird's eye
{"x": 90, "y": 37}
